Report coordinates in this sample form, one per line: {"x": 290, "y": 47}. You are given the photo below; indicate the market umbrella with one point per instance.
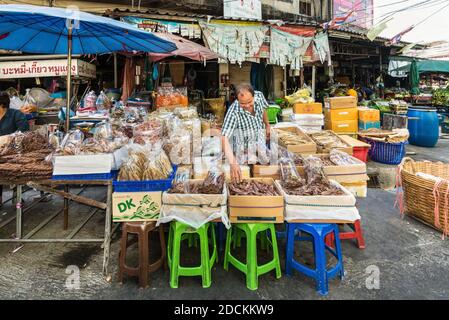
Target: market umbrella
{"x": 49, "y": 30}
{"x": 413, "y": 78}
{"x": 185, "y": 48}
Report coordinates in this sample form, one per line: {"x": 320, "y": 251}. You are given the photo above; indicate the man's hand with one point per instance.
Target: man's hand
{"x": 268, "y": 132}
{"x": 236, "y": 173}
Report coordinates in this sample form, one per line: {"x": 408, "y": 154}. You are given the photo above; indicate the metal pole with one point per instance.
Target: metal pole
{"x": 115, "y": 71}
{"x": 285, "y": 81}
{"x": 19, "y": 212}
{"x": 107, "y": 231}
{"x": 313, "y": 80}
{"x": 69, "y": 75}
{"x": 66, "y": 209}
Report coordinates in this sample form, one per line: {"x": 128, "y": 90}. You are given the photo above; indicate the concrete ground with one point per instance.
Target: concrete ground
{"x": 411, "y": 259}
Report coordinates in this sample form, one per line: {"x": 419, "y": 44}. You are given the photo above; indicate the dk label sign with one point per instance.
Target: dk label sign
{"x": 136, "y": 206}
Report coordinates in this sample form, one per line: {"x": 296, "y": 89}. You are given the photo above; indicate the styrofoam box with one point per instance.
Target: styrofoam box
{"x": 83, "y": 164}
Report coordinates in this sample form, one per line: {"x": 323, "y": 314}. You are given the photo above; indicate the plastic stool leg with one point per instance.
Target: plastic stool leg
{"x": 320, "y": 265}
{"x": 228, "y": 248}
{"x": 174, "y": 273}
{"x": 143, "y": 260}
{"x": 214, "y": 248}
{"x": 204, "y": 246}
{"x": 275, "y": 251}
{"x": 359, "y": 235}
{"x": 251, "y": 260}
{"x": 338, "y": 250}
{"x": 289, "y": 248}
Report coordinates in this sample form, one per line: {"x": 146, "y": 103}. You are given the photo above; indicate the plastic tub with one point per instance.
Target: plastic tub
{"x": 148, "y": 185}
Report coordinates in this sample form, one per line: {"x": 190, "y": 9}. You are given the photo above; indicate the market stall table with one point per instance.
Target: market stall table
{"x": 49, "y": 187}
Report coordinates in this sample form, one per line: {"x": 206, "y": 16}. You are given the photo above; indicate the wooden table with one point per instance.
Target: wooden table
{"x": 49, "y": 186}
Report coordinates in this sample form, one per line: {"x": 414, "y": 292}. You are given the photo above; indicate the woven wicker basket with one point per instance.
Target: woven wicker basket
{"x": 419, "y": 199}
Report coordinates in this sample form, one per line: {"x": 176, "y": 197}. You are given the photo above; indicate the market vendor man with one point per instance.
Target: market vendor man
{"x": 245, "y": 126}
{"x": 11, "y": 120}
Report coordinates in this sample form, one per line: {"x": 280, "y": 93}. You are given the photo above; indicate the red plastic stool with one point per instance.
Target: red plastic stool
{"x": 356, "y": 233}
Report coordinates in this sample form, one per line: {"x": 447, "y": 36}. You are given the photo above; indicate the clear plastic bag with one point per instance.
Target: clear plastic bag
{"x": 102, "y": 102}
{"x": 103, "y": 130}
{"x": 72, "y": 143}
{"x": 90, "y": 100}
{"x": 150, "y": 131}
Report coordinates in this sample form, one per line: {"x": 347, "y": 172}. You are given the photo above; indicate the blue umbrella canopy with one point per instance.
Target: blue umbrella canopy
{"x": 36, "y": 29}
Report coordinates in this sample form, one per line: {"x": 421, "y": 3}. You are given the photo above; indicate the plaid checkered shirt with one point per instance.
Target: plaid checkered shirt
{"x": 243, "y": 129}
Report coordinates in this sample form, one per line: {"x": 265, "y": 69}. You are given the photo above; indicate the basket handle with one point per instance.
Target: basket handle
{"x": 405, "y": 160}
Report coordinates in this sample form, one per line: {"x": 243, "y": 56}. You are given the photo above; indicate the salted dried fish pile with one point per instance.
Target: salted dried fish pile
{"x": 213, "y": 184}
{"x": 288, "y": 138}
{"x": 26, "y": 156}
{"x": 142, "y": 167}
{"x": 149, "y": 131}
{"x": 315, "y": 184}
{"x": 326, "y": 161}
{"x": 341, "y": 158}
{"x": 327, "y": 140}
{"x": 252, "y": 188}
{"x": 25, "y": 142}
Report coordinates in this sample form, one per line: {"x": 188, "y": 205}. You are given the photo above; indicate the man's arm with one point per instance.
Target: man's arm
{"x": 228, "y": 129}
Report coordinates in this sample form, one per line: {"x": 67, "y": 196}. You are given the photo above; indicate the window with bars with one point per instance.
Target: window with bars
{"x": 305, "y": 8}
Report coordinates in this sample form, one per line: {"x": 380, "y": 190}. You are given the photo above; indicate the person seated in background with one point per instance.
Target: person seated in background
{"x": 11, "y": 120}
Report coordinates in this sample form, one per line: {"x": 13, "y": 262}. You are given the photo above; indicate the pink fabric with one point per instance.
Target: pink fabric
{"x": 186, "y": 48}
{"x": 446, "y": 210}
{"x": 129, "y": 74}
{"x": 399, "y": 192}
{"x": 436, "y": 195}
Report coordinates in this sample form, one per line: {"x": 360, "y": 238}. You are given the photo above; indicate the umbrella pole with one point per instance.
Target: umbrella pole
{"x": 69, "y": 76}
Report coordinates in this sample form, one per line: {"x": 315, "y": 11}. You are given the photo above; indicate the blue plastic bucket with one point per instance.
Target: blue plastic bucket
{"x": 423, "y": 126}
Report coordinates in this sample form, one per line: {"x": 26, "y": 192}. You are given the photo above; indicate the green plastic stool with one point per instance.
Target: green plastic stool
{"x": 251, "y": 269}
{"x": 272, "y": 113}
{"x": 239, "y": 234}
{"x": 177, "y": 233}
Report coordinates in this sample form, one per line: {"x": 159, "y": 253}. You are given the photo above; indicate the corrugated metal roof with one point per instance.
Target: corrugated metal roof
{"x": 195, "y": 16}
{"x": 301, "y": 21}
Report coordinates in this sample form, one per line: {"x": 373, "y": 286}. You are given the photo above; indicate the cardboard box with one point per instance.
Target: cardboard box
{"x": 354, "y": 142}
{"x": 358, "y": 189}
{"x": 368, "y": 114}
{"x": 252, "y": 209}
{"x": 306, "y": 148}
{"x": 365, "y": 125}
{"x": 341, "y": 114}
{"x": 347, "y": 126}
{"x": 340, "y": 102}
{"x": 322, "y": 149}
{"x": 266, "y": 171}
{"x": 308, "y": 108}
{"x": 136, "y": 206}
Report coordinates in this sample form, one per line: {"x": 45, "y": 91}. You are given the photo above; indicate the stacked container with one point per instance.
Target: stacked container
{"x": 341, "y": 115}
{"x": 308, "y": 116}
{"x": 368, "y": 118}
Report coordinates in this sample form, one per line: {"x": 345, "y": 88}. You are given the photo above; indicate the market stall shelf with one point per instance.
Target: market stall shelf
{"x": 49, "y": 186}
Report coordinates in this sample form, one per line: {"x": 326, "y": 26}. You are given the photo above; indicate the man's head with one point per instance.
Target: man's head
{"x": 245, "y": 96}
{"x": 4, "y": 100}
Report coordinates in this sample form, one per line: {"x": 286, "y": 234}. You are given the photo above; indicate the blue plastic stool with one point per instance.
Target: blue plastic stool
{"x": 318, "y": 233}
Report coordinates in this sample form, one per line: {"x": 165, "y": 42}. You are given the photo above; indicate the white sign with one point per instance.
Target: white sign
{"x": 45, "y": 68}
{"x": 249, "y": 9}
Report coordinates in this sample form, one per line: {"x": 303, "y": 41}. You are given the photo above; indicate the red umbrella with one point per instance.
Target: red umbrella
{"x": 186, "y": 48}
